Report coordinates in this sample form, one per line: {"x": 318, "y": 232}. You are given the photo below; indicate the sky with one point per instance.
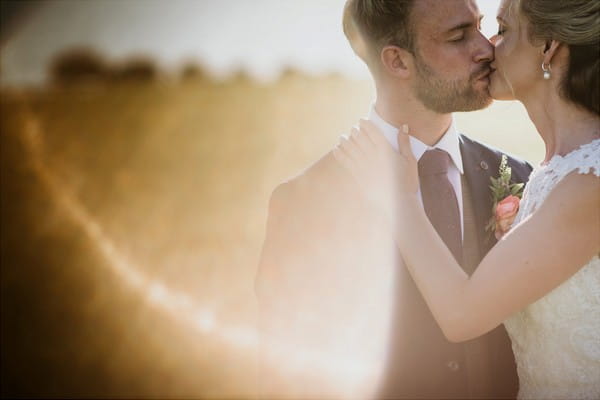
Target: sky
{"x": 261, "y": 37}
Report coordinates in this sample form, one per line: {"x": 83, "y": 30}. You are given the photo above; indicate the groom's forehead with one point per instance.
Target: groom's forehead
{"x": 441, "y": 16}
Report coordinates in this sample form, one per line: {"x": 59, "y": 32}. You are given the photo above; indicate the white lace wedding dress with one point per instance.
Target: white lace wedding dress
{"x": 556, "y": 340}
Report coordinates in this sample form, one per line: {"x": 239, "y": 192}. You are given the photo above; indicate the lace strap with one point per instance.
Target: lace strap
{"x": 584, "y": 160}
{"x": 590, "y": 158}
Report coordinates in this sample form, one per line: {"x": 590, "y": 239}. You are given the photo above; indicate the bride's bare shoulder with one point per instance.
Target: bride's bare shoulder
{"x": 575, "y": 201}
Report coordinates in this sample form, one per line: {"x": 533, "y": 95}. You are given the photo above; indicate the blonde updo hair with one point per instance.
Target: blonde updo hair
{"x": 576, "y": 23}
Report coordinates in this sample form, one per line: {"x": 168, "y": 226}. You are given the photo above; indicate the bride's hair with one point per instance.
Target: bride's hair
{"x": 576, "y": 23}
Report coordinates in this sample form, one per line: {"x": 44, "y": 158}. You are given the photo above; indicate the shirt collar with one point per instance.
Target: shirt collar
{"x": 449, "y": 141}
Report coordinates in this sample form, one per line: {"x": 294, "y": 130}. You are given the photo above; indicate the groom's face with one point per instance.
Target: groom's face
{"x": 452, "y": 57}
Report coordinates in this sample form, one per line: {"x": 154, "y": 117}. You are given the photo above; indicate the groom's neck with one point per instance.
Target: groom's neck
{"x": 423, "y": 124}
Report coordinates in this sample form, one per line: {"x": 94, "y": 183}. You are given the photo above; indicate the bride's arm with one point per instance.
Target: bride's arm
{"x": 535, "y": 257}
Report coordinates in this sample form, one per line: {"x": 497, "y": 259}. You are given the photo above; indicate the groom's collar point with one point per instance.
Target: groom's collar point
{"x": 449, "y": 142}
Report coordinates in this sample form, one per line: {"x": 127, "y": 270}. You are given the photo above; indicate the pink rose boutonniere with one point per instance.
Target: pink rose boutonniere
{"x": 506, "y": 197}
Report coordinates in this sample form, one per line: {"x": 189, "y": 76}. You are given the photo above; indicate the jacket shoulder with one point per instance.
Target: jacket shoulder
{"x": 322, "y": 178}
{"x": 493, "y": 156}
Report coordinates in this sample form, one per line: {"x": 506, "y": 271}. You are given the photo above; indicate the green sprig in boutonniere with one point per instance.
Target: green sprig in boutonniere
{"x": 506, "y": 197}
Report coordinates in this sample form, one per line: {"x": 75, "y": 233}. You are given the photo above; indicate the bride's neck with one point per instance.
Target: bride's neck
{"x": 562, "y": 125}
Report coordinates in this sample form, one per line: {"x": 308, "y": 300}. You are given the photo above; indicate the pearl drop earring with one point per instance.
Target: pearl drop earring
{"x": 546, "y": 70}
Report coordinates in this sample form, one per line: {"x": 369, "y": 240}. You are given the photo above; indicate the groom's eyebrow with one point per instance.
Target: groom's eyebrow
{"x": 466, "y": 25}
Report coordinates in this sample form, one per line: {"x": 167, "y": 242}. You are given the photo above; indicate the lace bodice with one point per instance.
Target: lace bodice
{"x": 556, "y": 340}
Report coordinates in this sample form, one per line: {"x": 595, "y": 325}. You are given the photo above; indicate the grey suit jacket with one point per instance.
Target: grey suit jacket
{"x": 327, "y": 286}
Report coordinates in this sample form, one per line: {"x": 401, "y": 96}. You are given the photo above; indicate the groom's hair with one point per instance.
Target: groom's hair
{"x": 378, "y": 23}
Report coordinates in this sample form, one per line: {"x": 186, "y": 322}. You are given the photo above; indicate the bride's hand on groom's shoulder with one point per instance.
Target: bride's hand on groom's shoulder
{"x": 385, "y": 176}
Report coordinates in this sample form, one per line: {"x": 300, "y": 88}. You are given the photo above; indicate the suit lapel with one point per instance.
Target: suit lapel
{"x": 477, "y": 174}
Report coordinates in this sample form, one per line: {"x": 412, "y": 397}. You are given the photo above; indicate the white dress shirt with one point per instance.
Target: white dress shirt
{"x": 448, "y": 142}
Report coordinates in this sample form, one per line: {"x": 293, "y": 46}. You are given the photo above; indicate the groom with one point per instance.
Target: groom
{"x": 337, "y": 306}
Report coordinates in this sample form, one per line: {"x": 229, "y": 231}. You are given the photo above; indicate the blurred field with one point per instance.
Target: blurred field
{"x": 104, "y": 185}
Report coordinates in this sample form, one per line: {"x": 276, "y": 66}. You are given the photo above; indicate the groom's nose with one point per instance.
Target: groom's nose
{"x": 484, "y": 49}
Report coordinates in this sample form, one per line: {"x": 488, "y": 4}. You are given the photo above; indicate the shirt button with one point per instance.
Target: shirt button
{"x": 483, "y": 165}
{"x": 453, "y": 365}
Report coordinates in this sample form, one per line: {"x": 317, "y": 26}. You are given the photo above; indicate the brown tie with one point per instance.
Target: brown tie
{"x": 439, "y": 199}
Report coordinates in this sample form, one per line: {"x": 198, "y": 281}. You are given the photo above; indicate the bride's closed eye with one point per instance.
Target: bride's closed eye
{"x": 501, "y": 30}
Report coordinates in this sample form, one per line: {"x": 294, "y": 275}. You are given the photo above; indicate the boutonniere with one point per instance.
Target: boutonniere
{"x": 506, "y": 197}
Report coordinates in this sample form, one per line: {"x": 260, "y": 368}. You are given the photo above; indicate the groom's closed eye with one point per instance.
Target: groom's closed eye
{"x": 458, "y": 32}
{"x": 457, "y": 38}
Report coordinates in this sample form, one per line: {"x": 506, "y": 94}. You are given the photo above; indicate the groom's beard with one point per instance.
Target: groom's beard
{"x": 447, "y": 96}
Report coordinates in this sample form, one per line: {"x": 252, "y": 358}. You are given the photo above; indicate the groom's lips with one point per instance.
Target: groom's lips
{"x": 485, "y": 75}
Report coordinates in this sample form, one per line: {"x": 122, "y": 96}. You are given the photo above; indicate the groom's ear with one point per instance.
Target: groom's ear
{"x": 396, "y": 61}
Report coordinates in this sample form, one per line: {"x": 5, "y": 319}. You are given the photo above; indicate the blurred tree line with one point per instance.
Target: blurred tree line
{"x": 80, "y": 65}
{"x": 85, "y": 65}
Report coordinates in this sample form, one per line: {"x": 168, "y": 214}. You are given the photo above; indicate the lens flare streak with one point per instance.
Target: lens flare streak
{"x": 347, "y": 373}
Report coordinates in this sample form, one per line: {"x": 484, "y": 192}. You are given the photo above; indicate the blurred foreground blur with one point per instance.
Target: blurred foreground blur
{"x": 133, "y": 213}
{"x": 133, "y": 208}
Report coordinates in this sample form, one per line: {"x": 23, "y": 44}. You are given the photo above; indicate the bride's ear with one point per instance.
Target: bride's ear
{"x": 396, "y": 61}
{"x": 550, "y": 49}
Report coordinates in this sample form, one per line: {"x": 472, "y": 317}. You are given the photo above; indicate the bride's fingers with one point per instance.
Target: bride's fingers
{"x": 345, "y": 155}
{"x": 366, "y": 130}
{"x": 354, "y": 137}
{"x": 373, "y": 133}
{"x": 341, "y": 155}
{"x": 356, "y": 140}
{"x": 360, "y": 141}
{"x": 404, "y": 144}
{"x": 351, "y": 152}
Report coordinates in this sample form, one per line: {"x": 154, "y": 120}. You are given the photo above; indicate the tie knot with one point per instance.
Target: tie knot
{"x": 434, "y": 162}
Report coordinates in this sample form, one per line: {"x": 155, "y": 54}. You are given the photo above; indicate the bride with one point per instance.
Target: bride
{"x": 542, "y": 279}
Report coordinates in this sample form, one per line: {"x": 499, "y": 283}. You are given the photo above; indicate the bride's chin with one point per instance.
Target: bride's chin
{"x": 500, "y": 91}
